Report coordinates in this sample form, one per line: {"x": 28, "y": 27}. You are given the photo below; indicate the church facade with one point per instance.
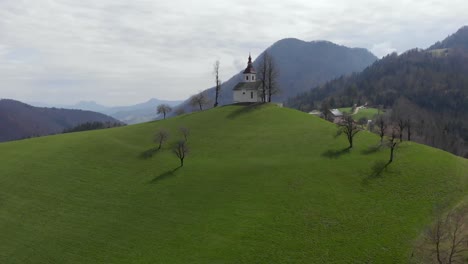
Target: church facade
{"x": 249, "y": 89}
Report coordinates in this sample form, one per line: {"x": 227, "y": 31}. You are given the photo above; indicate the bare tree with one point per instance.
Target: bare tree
{"x": 348, "y": 127}
{"x": 161, "y": 136}
{"x": 408, "y": 124}
{"x": 181, "y": 150}
{"x": 401, "y": 126}
{"x": 199, "y": 100}
{"x": 382, "y": 127}
{"x": 185, "y": 132}
{"x": 272, "y": 78}
{"x": 164, "y": 109}
{"x": 268, "y": 75}
{"x": 392, "y": 143}
{"x": 263, "y": 69}
{"x": 218, "y": 82}
{"x": 446, "y": 240}
{"x": 325, "y": 109}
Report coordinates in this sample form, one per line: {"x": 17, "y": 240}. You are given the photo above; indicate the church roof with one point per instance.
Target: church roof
{"x": 248, "y": 86}
{"x": 250, "y": 68}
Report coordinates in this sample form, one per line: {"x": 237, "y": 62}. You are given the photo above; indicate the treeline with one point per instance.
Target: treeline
{"x": 433, "y": 85}
{"x": 92, "y": 126}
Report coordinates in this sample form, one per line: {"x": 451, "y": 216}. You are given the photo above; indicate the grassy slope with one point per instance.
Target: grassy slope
{"x": 260, "y": 186}
{"x": 368, "y": 113}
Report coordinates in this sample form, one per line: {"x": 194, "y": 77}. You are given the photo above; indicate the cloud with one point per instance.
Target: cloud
{"x": 126, "y": 51}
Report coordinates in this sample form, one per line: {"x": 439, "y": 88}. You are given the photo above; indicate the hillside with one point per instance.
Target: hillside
{"x": 433, "y": 85}
{"x": 303, "y": 65}
{"x": 19, "y": 120}
{"x": 261, "y": 185}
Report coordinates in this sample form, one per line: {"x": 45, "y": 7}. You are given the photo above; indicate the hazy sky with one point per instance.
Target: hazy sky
{"x": 126, "y": 51}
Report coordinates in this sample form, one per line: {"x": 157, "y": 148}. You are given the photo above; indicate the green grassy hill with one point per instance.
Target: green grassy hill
{"x": 261, "y": 185}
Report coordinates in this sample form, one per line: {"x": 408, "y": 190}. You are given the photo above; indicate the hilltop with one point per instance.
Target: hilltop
{"x": 261, "y": 184}
{"x": 19, "y": 120}
{"x": 302, "y": 65}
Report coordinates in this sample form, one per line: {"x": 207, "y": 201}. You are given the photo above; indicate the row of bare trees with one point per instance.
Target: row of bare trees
{"x": 269, "y": 74}
{"x": 180, "y": 148}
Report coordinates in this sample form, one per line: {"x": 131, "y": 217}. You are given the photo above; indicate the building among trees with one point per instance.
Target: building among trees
{"x": 249, "y": 90}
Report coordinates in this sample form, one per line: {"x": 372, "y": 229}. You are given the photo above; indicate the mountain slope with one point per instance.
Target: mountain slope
{"x": 303, "y": 65}
{"x": 433, "y": 85}
{"x": 19, "y": 120}
{"x": 455, "y": 41}
{"x": 261, "y": 185}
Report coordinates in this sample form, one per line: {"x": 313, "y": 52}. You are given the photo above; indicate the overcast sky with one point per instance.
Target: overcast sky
{"x": 120, "y": 52}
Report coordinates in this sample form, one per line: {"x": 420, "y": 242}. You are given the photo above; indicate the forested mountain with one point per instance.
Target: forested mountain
{"x": 302, "y": 65}
{"x": 19, "y": 120}
{"x": 457, "y": 40}
{"x": 432, "y": 85}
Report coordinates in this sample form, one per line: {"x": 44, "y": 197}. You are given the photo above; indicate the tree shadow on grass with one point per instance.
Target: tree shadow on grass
{"x": 248, "y": 108}
{"x": 164, "y": 176}
{"x": 372, "y": 149}
{"x": 377, "y": 170}
{"x": 148, "y": 154}
{"x": 334, "y": 154}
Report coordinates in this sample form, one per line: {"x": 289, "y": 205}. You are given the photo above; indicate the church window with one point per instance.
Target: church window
{"x": 253, "y": 78}
{"x": 247, "y": 77}
{"x": 251, "y": 95}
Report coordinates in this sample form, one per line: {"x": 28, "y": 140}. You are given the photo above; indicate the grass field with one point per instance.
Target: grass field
{"x": 261, "y": 185}
{"x": 368, "y": 113}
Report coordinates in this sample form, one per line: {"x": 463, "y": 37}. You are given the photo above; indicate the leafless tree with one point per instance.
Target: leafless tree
{"x": 268, "y": 75}
{"x": 348, "y": 127}
{"x": 185, "y": 132}
{"x": 446, "y": 240}
{"x": 408, "y": 124}
{"x": 181, "y": 150}
{"x": 401, "y": 126}
{"x": 263, "y": 69}
{"x": 161, "y": 136}
{"x": 218, "y": 82}
{"x": 381, "y": 123}
{"x": 325, "y": 109}
{"x": 272, "y": 78}
{"x": 164, "y": 109}
{"x": 392, "y": 143}
{"x": 200, "y": 100}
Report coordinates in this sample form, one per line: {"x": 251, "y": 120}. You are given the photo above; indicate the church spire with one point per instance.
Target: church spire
{"x": 249, "y": 72}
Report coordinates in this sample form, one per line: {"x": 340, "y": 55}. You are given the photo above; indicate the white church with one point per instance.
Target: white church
{"x": 249, "y": 89}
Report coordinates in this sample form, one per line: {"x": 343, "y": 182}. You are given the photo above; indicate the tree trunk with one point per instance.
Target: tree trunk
{"x": 200, "y": 105}
{"x": 181, "y": 162}
{"x": 409, "y": 133}
{"x": 392, "y": 148}
{"x": 164, "y": 113}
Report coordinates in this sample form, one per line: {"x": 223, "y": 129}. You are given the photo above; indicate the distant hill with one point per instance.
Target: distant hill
{"x": 19, "y": 120}
{"x": 433, "y": 84}
{"x": 132, "y": 114}
{"x": 260, "y": 185}
{"x": 457, "y": 40}
{"x": 303, "y": 65}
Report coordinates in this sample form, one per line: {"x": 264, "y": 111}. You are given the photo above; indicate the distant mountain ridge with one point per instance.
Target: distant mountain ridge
{"x": 133, "y": 114}
{"x": 302, "y": 65}
{"x": 19, "y": 120}
{"x": 454, "y": 41}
